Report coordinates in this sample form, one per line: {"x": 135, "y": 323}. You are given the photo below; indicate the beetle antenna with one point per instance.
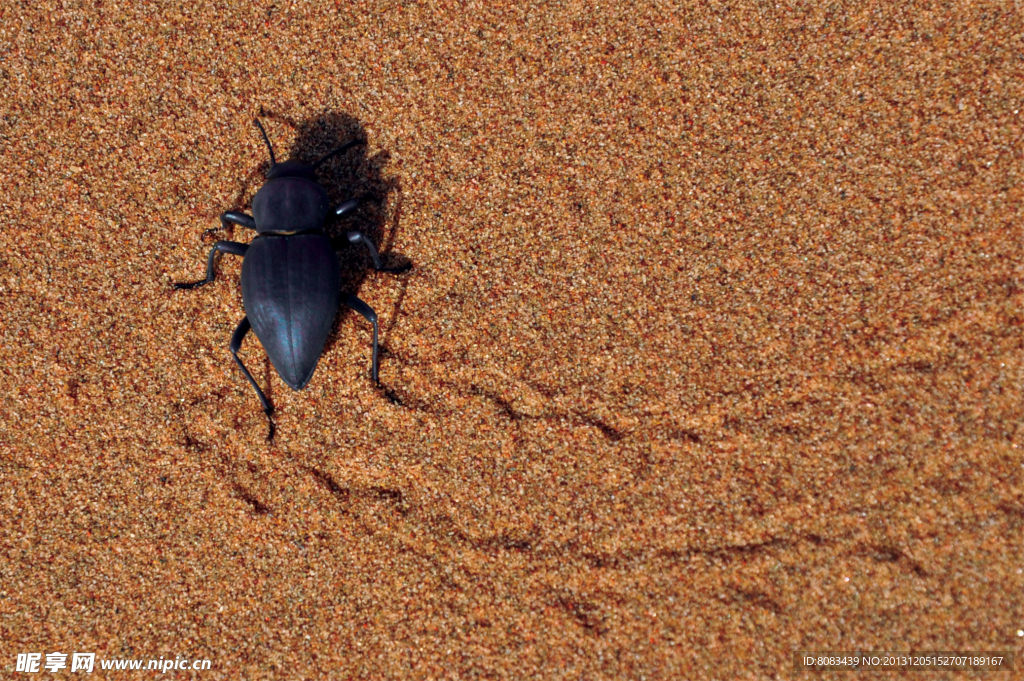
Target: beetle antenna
{"x": 267, "y": 140}
{"x": 339, "y": 150}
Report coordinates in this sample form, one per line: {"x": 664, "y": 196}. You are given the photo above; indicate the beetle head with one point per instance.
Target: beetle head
{"x": 292, "y": 169}
{"x": 298, "y": 168}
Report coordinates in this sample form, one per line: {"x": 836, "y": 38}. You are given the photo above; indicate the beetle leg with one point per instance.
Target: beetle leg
{"x": 232, "y": 217}
{"x": 360, "y": 238}
{"x": 371, "y": 316}
{"x": 236, "y": 345}
{"x": 232, "y": 247}
{"x": 345, "y": 208}
{"x": 236, "y": 218}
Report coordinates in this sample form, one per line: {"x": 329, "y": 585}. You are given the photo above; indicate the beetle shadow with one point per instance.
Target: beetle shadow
{"x": 345, "y": 176}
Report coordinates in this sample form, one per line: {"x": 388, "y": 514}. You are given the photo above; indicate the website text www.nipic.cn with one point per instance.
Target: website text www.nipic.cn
{"x": 30, "y": 663}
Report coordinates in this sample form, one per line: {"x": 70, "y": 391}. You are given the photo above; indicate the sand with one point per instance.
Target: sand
{"x": 708, "y": 349}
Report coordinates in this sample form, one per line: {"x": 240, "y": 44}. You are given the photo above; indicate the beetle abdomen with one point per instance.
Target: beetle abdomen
{"x": 291, "y": 289}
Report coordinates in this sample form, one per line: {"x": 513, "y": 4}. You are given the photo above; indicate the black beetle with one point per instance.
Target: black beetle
{"x": 291, "y": 277}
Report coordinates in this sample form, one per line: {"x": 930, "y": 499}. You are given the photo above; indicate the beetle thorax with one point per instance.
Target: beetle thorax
{"x": 289, "y": 205}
